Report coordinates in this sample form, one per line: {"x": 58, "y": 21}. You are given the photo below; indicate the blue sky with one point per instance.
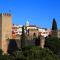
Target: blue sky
{"x": 37, "y": 12}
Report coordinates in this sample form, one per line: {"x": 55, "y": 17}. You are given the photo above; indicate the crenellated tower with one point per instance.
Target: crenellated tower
{"x": 5, "y": 30}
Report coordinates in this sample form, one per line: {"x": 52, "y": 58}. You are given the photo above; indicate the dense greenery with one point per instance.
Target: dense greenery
{"x": 53, "y": 43}
{"x": 36, "y": 53}
{"x": 3, "y": 57}
{"x": 31, "y": 53}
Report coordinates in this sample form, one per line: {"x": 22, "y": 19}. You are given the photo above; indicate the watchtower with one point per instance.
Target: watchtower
{"x": 5, "y": 30}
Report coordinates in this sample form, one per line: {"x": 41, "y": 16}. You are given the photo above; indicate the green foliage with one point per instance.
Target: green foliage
{"x": 31, "y": 53}
{"x": 54, "y": 25}
{"x": 20, "y": 56}
{"x": 1, "y": 51}
{"x": 3, "y": 57}
{"x": 36, "y": 53}
{"x": 53, "y": 44}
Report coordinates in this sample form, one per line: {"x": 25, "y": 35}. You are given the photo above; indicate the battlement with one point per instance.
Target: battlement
{"x": 5, "y": 14}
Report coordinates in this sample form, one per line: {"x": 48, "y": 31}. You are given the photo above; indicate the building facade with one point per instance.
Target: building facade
{"x": 44, "y": 32}
{"x": 16, "y": 31}
{"x": 29, "y": 29}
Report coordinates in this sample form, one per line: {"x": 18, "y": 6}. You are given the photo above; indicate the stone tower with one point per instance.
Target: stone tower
{"x": 5, "y": 30}
{"x": 27, "y": 23}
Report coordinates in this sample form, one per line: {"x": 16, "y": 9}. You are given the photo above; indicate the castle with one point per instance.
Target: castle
{"x": 11, "y": 31}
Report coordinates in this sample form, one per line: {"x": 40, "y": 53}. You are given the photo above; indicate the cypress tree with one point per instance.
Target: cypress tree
{"x": 54, "y": 25}
{"x": 54, "y": 28}
{"x": 23, "y": 38}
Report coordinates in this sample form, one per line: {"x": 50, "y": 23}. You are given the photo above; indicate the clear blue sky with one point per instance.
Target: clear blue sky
{"x": 38, "y": 12}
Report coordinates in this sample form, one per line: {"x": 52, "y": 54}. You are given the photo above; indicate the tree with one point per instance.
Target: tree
{"x": 23, "y": 38}
{"x": 54, "y": 28}
{"x": 54, "y": 25}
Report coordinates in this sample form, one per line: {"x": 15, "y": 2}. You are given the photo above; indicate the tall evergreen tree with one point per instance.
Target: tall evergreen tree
{"x": 23, "y": 38}
{"x": 54, "y": 28}
{"x": 54, "y": 25}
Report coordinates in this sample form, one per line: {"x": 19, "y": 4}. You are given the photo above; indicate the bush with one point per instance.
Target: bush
{"x": 53, "y": 44}
{"x": 36, "y": 53}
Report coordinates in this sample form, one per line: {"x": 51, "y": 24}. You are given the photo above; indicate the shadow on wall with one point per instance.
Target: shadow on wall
{"x": 12, "y": 46}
